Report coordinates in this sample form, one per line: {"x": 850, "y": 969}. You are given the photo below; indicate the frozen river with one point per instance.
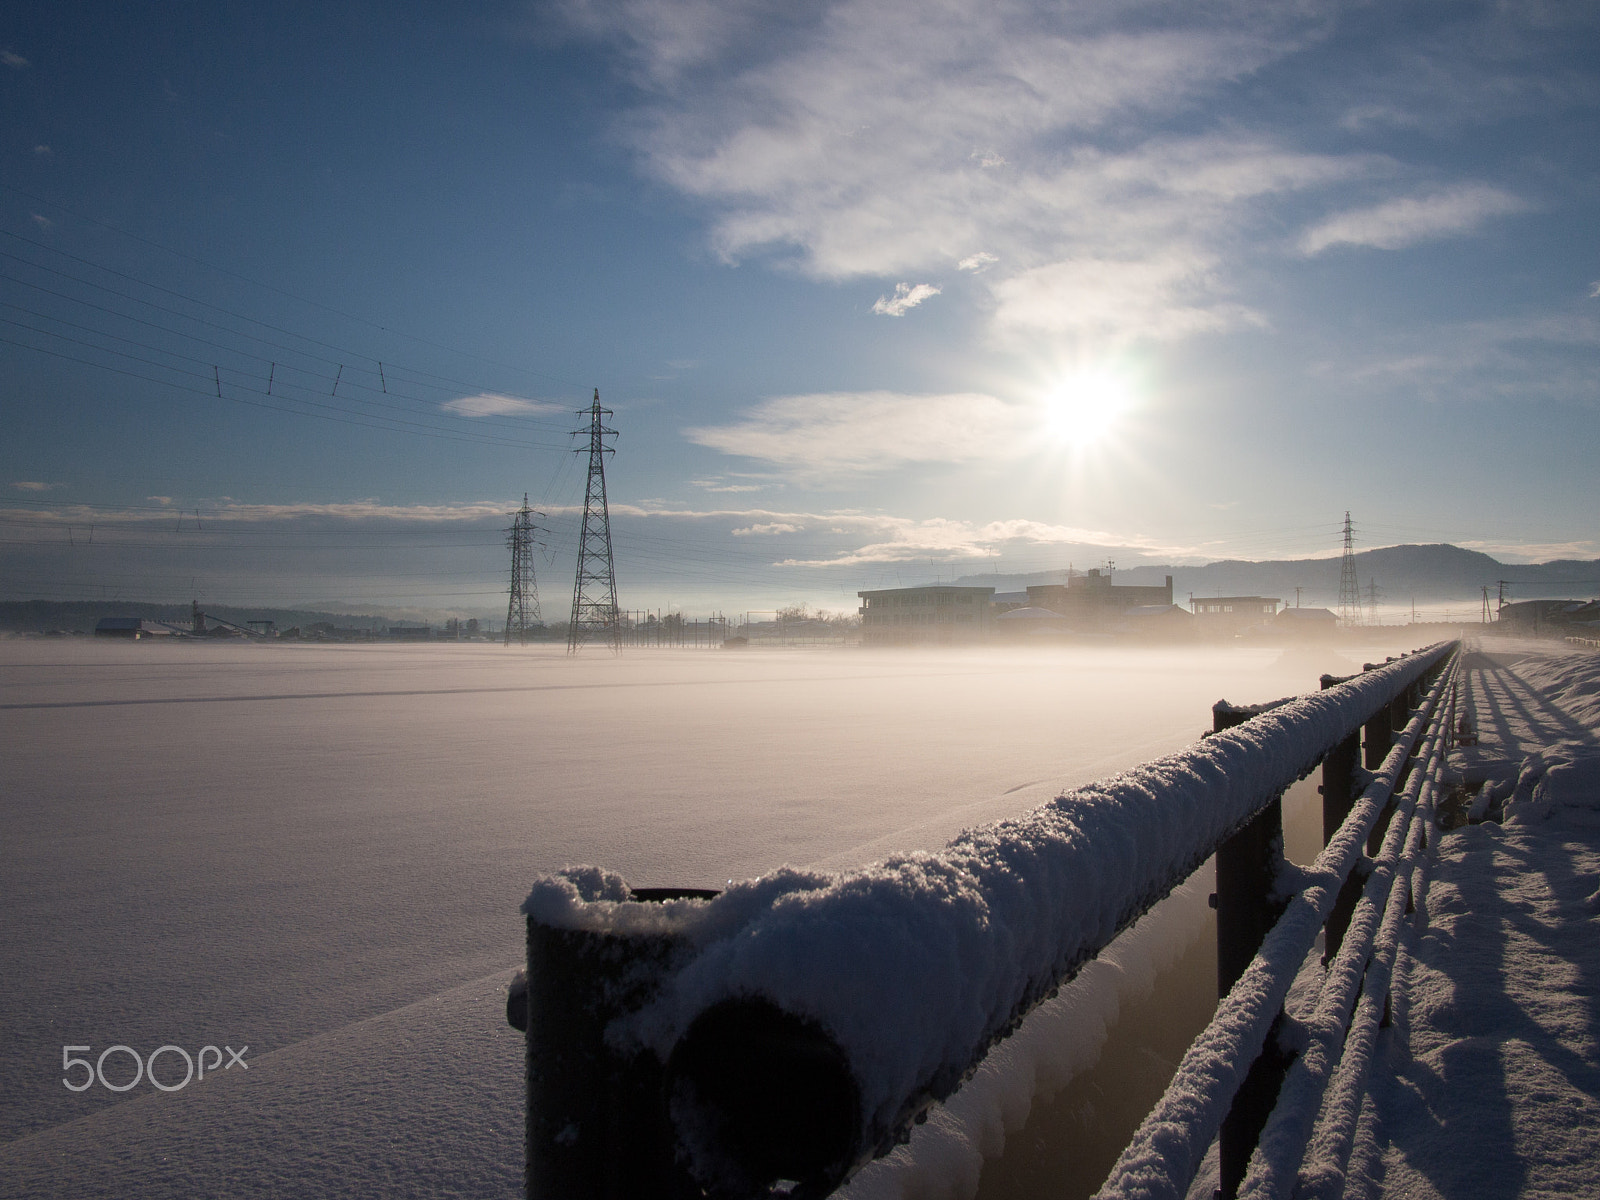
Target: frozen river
{"x": 318, "y": 852}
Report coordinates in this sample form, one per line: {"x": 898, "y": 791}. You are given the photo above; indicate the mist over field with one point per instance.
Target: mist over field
{"x": 319, "y": 851}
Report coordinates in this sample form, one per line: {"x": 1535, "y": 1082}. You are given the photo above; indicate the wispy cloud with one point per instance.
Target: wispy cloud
{"x": 42, "y": 150}
{"x": 13, "y": 60}
{"x": 44, "y": 223}
{"x": 722, "y": 485}
{"x": 905, "y": 298}
{"x": 33, "y": 485}
{"x": 1594, "y": 290}
{"x": 770, "y": 529}
{"x": 1406, "y": 220}
{"x": 844, "y": 134}
{"x": 864, "y": 432}
{"x": 493, "y": 404}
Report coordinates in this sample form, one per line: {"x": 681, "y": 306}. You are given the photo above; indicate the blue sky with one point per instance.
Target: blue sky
{"x": 879, "y": 291}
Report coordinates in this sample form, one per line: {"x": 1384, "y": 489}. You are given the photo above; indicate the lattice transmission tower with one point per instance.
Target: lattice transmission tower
{"x": 594, "y": 591}
{"x": 1349, "y": 588}
{"x": 522, "y": 613}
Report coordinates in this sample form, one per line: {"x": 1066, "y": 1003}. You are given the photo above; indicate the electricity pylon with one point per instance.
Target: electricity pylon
{"x": 594, "y": 591}
{"x": 1349, "y": 587}
{"x": 522, "y": 613}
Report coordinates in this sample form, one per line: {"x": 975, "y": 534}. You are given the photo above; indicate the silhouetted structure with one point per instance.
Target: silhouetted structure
{"x": 1349, "y": 588}
{"x": 1093, "y": 598}
{"x": 522, "y": 610}
{"x": 1226, "y": 616}
{"x": 594, "y": 591}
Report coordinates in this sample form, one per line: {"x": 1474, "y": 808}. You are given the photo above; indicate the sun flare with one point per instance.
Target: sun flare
{"x": 1086, "y": 406}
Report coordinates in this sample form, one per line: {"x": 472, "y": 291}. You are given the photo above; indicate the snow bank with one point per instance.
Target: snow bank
{"x": 1563, "y": 776}
{"x": 915, "y": 966}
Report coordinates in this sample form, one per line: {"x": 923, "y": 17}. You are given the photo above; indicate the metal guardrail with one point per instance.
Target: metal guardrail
{"x": 755, "y": 1042}
{"x": 1166, "y": 1152}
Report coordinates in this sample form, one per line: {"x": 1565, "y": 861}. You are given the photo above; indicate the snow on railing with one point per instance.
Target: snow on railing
{"x": 1165, "y": 1154}
{"x": 788, "y": 1030}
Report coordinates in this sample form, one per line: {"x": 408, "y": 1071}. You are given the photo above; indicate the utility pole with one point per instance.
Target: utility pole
{"x": 1372, "y": 601}
{"x": 1502, "y": 604}
{"x": 1349, "y": 588}
{"x": 594, "y": 590}
{"x": 1484, "y": 618}
{"x": 1297, "y": 592}
{"x": 522, "y": 611}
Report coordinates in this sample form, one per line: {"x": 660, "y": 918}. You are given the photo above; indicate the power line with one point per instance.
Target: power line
{"x": 280, "y": 292}
{"x": 396, "y": 426}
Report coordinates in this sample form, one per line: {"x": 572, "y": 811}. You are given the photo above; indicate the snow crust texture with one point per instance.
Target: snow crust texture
{"x": 917, "y": 965}
{"x": 1487, "y": 1084}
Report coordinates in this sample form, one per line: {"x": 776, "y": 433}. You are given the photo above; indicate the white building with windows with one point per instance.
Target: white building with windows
{"x": 937, "y": 615}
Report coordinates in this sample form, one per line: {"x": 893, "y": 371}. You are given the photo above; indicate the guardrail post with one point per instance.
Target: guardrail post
{"x": 597, "y": 1125}
{"x": 1380, "y": 730}
{"x": 1247, "y": 907}
{"x": 1338, "y": 795}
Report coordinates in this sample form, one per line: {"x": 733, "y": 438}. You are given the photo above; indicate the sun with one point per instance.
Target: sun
{"x": 1085, "y": 407}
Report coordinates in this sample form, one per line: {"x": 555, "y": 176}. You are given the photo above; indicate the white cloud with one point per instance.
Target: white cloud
{"x": 42, "y": 149}
{"x": 772, "y": 529}
{"x": 905, "y": 298}
{"x": 1407, "y": 220}
{"x": 844, "y": 135}
{"x": 493, "y": 404}
{"x": 1594, "y": 290}
{"x": 718, "y": 485}
{"x": 1164, "y": 295}
{"x": 865, "y": 432}
{"x": 44, "y": 223}
{"x": 13, "y": 60}
{"x": 33, "y": 485}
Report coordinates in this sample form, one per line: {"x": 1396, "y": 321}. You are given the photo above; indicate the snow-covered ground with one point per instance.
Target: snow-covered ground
{"x": 1490, "y": 1082}
{"x": 318, "y": 853}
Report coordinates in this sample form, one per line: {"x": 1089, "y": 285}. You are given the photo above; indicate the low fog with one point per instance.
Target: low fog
{"x": 319, "y": 852}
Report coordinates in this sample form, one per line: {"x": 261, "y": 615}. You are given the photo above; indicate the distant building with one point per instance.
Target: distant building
{"x": 937, "y": 615}
{"x": 1227, "y": 616}
{"x": 411, "y": 633}
{"x": 1156, "y": 623}
{"x": 1092, "y": 600}
{"x": 1553, "y": 617}
{"x": 132, "y": 627}
{"x": 1028, "y": 621}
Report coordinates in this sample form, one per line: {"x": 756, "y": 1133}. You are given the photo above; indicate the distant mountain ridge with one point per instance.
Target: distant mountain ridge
{"x": 1432, "y": 573}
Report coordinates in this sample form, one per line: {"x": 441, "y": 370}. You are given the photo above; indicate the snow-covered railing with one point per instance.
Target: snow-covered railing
{"x": 1166, "y": 1152}
{"x": 771, "y": 1039}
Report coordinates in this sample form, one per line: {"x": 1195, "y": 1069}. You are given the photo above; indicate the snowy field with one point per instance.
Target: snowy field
{"x": 318, "y": 853}
{"x": 1490, "y": 1082}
